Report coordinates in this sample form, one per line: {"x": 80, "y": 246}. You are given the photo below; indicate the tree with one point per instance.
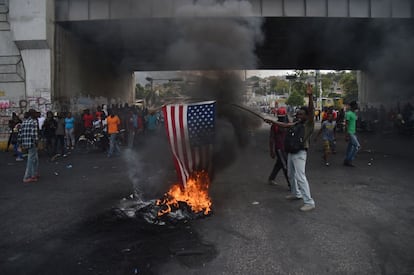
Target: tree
{"x": 279, "y": 86}
{"x": 327, "y": 83}
{"x": 350, "y": 86}
{"x": 140, "y": 91}
{"x": 253, "y": 79}
{"x": 299, "y": 87}
{"x": 295, "y": 99}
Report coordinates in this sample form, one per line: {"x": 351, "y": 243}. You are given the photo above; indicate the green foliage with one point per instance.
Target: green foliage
{"x": 140, "y": 92}
{"x": 299, "y": 87}
{"x": 279, "y": 86}
{"x": 296, "y": 99}
{"x": 350, "y": 86}
{"x": 327, "y": 83}
{"x": 254, "y": 79}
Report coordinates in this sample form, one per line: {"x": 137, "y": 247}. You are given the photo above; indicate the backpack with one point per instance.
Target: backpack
{"x": 295, "y": 137}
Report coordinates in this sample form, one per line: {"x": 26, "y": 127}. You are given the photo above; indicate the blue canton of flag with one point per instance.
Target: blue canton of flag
{"x": 201, "y": 124}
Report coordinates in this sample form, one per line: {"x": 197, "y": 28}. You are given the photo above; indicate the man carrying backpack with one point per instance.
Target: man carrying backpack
{"x": 296, "y": 145}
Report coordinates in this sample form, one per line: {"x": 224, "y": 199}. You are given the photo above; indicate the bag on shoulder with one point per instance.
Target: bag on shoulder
{"x": 295, "y": 137}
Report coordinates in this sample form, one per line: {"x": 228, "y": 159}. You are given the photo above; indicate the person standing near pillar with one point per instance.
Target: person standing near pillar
{"x": 28, "y": 139}
{"x": 12, "y": 124}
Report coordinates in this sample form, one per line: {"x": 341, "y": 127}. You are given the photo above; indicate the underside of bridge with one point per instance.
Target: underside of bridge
{"x": 102, "y": 53}
{"x": 289, "y": 43}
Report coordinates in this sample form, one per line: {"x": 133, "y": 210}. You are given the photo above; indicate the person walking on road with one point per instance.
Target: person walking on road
{"x": 350, "y": 136}
{"x": 328, "y": 136}
{"x": 28, "y": 139}
{"x": 296, "y": 162}
{"x": 277, "y": 148}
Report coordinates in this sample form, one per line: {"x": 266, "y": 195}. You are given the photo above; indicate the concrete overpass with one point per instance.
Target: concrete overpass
{"x": 80, "y": 52}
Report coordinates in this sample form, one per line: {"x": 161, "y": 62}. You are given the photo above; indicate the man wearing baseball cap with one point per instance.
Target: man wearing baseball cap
{"x": 277, "y": 148}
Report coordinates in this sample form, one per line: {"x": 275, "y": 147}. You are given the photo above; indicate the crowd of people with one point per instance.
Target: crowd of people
{"x": 293, "y": 161}
{"x": 57, "y": 133}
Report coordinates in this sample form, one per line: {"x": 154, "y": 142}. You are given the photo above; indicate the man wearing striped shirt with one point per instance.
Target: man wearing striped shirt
{"x": 28, "y": 139}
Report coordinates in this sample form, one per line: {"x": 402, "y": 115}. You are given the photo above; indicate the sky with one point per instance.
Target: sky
{"x": 267, "y": 73}
{"x": 140, "y": 76}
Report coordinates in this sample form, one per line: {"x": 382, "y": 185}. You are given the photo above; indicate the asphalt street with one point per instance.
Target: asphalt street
{"x": 66, "y": 224}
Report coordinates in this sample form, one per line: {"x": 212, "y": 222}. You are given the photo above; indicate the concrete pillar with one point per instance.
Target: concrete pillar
{"x": 391, "y": 90}
{"x": 32, "y": 29}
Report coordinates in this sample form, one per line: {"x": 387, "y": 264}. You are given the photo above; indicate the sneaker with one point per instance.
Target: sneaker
{"x": 64, "y": 155}
{"x": 292, "y": 197}
{"x": 29, "y": 180}
{"x": 348, "y": 163}
{"x": 327, "y": 163}
{"x": 19, "y": 159}
{"x": 272, "y": 182}
{"x": 307, "y": 207}
{"x": 73, "y": 148}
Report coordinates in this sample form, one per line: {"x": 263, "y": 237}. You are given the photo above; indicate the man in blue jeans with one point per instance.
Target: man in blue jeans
{"x": 28, "y": 138}
{"x": 296, "y": 163}
{"x": 350, "y": 137}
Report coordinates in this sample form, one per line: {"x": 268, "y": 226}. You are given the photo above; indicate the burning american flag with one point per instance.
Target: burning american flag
{"x": 190, "y": 129}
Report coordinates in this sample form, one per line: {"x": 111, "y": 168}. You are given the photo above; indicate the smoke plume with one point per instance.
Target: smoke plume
{"x": 220, "y": 37}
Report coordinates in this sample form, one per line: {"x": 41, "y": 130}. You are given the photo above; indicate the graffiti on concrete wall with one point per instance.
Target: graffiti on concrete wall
{"x": 42, "y": 103}
{"x": 8, "y": 106}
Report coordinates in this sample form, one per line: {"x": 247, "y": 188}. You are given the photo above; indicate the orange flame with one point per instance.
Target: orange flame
{"x": 194, "y": 194}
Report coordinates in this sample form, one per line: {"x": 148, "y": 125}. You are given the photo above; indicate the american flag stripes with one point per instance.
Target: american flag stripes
{"x": 190, "y": 130}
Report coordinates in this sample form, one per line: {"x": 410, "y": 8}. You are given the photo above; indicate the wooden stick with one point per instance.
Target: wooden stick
{"x": 247, "y": 110}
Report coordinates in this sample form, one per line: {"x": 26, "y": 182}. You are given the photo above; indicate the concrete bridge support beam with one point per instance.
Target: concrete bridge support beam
{"x": 86, "y": 78}
{"x": 32, "y": 30}
{"x": 391, "y": 90}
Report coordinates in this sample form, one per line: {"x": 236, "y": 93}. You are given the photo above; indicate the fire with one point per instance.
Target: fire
{"x": 194, "y": 194}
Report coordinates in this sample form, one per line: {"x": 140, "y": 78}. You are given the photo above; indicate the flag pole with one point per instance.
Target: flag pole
{"x": 247, "y": 110}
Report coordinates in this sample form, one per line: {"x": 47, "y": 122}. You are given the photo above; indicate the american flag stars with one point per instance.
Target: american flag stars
{"x": 200, "y": 120}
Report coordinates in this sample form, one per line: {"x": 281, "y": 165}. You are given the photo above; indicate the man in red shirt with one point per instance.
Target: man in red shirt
{"x": 277, "y": 147}
{"x": 87, "y": 119}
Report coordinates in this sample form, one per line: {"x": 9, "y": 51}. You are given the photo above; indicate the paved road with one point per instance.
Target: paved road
{"x": 65, "y": 224}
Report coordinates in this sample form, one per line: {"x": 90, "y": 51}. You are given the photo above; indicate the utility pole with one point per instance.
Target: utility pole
{"x": 291, "y": 78}
{"x": 318, "y": 98}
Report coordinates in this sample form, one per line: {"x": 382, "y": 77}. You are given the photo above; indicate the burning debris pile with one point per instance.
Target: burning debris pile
{"x": 178, "y": 204}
